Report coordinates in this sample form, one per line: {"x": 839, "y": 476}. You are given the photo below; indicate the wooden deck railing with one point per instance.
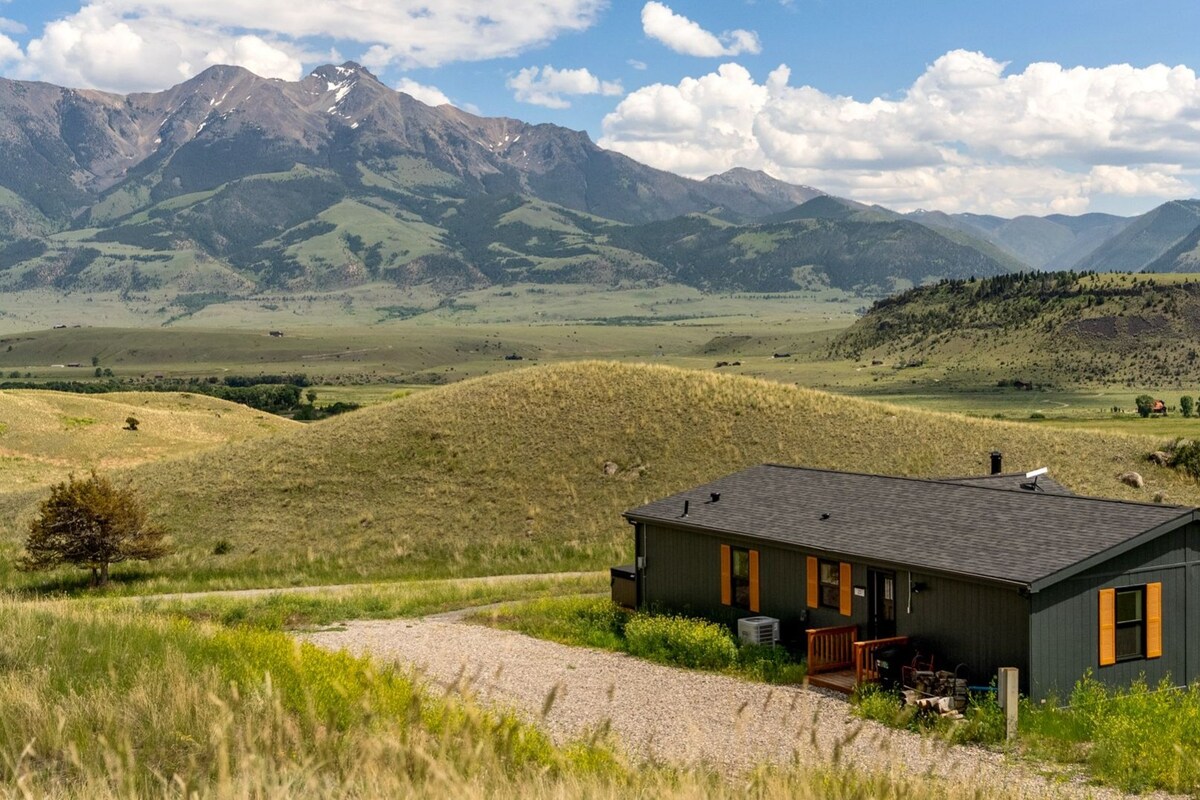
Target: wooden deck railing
{"x": 864, "y": 657}
{"x": 831, "y": 649}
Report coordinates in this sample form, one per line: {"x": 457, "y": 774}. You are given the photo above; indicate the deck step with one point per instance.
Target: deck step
{"x": 839, "y": 681}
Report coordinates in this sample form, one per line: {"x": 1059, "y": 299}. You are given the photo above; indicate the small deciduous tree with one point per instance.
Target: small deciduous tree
{"x": 91, "y": 523}
{"x": 1144, "y": 403}
{"x": 1187, "y": 405}
{"x": 131, "y": 423}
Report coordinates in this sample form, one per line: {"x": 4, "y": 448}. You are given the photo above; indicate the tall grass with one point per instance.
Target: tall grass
{"x": 282, "y": 611}
{"x": 1141, "y": 738}
{"x": 982, "y": 720}
{"x": 103, "y": 703}
{"x": 1138, "y": 739}
{"x": 161, "y": 706}
{"x": 677, "y": 641}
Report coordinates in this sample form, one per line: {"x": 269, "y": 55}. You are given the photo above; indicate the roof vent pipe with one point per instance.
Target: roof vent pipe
{"x": 685, "y": 508}
{"x": 716, "y": 496}
{"x": 997, "y": 460}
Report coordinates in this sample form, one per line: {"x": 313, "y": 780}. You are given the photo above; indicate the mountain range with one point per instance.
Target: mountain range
{"x": 232, "y": 183}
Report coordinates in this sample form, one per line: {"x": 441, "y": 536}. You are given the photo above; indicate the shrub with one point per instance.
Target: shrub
{"x": 682, "y": 641}
{"x": 769, "y": 664}
{"x": 1187, "y": 405}
{"x": 222, "y": 547}
{"x": 983, "y": 721}
{"x": 131, "y": 423}
{"x": 1144, "y": 403}
{"x": 1185, "y": 455}
{"x": 872, "y": 702}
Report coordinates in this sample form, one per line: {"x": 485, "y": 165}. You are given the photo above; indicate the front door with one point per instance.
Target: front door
{"x": 881, "y": 587}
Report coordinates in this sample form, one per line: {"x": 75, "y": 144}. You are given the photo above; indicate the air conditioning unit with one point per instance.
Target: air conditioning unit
{"x": 758, "y": 630}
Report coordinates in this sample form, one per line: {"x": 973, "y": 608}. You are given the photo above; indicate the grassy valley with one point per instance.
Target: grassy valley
{"x": 507, "y": 473}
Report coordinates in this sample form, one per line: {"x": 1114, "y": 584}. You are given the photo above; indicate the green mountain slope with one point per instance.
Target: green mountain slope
{"x": 230, "y": 185}
{"x": 1146, "y": 238}
{"x": 827, "y": 240}
{"x": 1184, "y": 256}
{"x": 1060, "y": 328}
{"x": 1054, "y": 242}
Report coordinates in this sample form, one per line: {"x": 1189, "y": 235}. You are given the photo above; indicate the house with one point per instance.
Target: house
{"x": 992, "y": 571}
{"x": 1159, "y": 407}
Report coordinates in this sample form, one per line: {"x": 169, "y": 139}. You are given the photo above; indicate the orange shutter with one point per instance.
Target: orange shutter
{"x": 845, "y": 583}
{"x": 1108, "y": 627}
{"x": 754, "y": 580}
{"x": 813, "y": 593}
{"x": 726, "y": 583}
{"x": 1153, "y": 620}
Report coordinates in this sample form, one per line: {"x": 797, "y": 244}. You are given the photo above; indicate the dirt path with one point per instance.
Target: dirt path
{"x": 674, "y": 715}
{"x": 342, "y": 587}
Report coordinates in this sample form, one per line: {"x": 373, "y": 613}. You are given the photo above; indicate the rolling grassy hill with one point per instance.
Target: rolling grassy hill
{"x": 507, "y": 473}
{"x": 1062, "y": 329}
{"x": 46, "y": 435}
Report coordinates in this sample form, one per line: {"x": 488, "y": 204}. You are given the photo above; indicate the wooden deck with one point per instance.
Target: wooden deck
{"x": 842, "y": 680}
{"x": 836, "y": 660}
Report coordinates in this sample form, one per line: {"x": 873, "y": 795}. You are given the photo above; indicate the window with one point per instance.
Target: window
{"x": 1131, "y": 623}
{"x": 739, "y": 577}
{"x": 830, "y": 580}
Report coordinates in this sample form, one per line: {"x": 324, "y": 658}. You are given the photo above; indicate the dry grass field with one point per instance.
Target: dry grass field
{"x": 46, "y": 435}
{"x": 507, "y": 473}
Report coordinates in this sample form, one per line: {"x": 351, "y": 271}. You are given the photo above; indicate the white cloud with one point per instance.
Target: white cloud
{"x": 98, "y": 48}
{"x": 638, "y": 65}
{"x": 141, "y": 44}
{"x": 10, "y": 51}
{"x": 11, "y": 26}
{"x": 429, "y": 95}
{"x": 964, "y": 136}
{"x": 547, "y": 86}
{"x": 685, "y": 36}
{"x": 258, "y": 56}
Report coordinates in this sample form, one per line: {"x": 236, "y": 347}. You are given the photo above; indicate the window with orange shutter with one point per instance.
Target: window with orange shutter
{"x": 1130, "y": 623}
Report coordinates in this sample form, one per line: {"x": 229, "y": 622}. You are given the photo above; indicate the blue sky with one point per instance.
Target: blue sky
{"x": 911, "y": 104}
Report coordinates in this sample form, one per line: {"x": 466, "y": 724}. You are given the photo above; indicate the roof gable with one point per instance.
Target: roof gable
{"x": 1001, "y": 534}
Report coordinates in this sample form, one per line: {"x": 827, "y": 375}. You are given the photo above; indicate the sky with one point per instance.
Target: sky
{"x": 1005, "y": 108}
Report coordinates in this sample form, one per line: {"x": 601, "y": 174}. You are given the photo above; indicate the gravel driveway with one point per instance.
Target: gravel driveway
{"x": 674, "y": 715}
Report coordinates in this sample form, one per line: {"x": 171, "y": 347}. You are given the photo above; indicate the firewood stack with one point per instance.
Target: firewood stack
{"x": 939, "y": 692}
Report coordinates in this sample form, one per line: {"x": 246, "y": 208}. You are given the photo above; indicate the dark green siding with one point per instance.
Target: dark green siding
{"x": 1066, "y": 624}
{"x": 982, "y": 626}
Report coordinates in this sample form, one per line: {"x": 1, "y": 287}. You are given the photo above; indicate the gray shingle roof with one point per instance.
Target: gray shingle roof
{"x": 983, "y": 531}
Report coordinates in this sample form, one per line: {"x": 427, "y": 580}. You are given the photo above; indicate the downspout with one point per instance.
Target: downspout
{"x": 638, "y": 561}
